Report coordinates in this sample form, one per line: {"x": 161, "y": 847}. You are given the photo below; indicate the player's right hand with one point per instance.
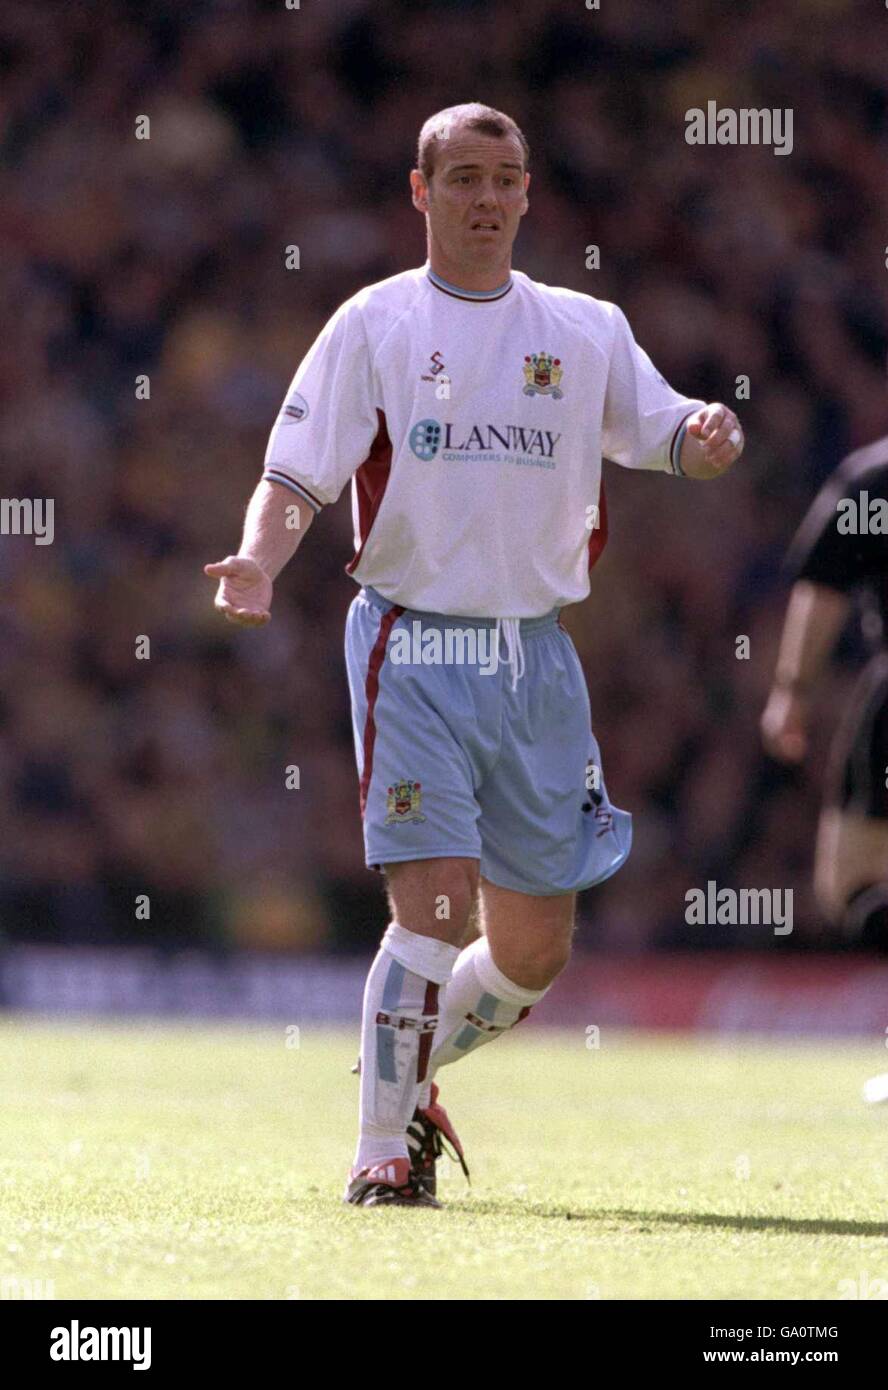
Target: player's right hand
{"x": 784, "y": 725}
{"x": 244, "y": 593}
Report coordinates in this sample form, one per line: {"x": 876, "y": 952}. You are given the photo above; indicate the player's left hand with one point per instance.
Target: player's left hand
{"x": 717, "y": 430}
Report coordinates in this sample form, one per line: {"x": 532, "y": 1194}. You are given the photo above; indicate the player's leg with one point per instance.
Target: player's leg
{"x": 436, "y": 896}
{"x": 547, "y": 830}
{"x": 420, "y": 822}
{"x": 402, "y": 997}
{"x": 529, "y": 937}
{"x": 496, "y": 981}
{"x": 851, "y": 874}
{"x": 851, "y": 856}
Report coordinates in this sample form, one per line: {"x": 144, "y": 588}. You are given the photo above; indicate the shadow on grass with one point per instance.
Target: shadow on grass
{"x": 649, "y": 1220}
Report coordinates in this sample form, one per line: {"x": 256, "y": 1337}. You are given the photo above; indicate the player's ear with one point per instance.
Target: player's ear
{"x": 525, "y": 203}
{"x": 420, "y": 191}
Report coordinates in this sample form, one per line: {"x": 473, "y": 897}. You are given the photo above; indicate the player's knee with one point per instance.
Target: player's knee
{"x": 434, "y": 895}
{"x": 536, "y": 964}
{"x": 550, "y": 961}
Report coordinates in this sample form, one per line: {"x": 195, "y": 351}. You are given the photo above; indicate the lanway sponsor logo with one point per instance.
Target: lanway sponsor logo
{"x": 425, "y": 438}
{"x": 484, "y": 443}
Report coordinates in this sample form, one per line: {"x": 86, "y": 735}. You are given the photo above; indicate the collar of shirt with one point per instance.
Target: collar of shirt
{"x": 474, "y": 296}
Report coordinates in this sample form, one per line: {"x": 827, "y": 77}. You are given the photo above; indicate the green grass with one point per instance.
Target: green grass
{"x": 158, "y": 1161}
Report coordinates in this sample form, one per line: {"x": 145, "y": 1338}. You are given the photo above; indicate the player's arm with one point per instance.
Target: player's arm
{"x": 826, "y": 565}
{"x": 649, "y": 425}
{"x": 711, "y": 442}
{"x": 814, "y": 620}
{"x": 274, "y": 525}
{"x": 324, "y": 430}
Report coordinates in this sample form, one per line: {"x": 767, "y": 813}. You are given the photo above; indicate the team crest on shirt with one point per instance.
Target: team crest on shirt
{"x": 403, "y": 803}
{"x": 542, "y": 375}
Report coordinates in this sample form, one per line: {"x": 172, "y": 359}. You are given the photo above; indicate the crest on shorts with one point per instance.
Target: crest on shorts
{"x": 403, "y": 803}
{"x": 542, "y": 375}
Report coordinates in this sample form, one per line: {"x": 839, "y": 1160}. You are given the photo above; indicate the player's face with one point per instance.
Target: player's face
{"x": 475, "y": 198}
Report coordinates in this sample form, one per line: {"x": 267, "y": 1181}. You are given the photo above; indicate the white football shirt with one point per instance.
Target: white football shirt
{"x": 472, "y": 427}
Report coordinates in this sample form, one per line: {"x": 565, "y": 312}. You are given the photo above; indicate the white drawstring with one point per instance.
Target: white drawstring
{"x": 511, "y": 630}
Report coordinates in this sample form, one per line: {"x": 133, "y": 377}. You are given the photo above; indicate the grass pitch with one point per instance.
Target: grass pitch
{"x": 158, "y": 1161}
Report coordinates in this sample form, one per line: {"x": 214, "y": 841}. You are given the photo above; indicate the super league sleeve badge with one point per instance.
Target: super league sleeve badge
{"x": 542, "y": 375}
{"x": 296, "y": 407}
{"x": 403, "y": 803}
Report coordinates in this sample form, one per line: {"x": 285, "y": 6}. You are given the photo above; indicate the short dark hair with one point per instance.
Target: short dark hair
{"x": 472, "y": 115}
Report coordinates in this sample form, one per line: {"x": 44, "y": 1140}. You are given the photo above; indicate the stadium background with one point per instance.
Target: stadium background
{"x": 273, "y": 127}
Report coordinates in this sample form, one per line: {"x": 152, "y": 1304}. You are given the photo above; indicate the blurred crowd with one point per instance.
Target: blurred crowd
{"x": 165, "y": 774}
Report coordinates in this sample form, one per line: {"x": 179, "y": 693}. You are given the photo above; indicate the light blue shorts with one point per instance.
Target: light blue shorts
{"x": 454, "y": 762}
